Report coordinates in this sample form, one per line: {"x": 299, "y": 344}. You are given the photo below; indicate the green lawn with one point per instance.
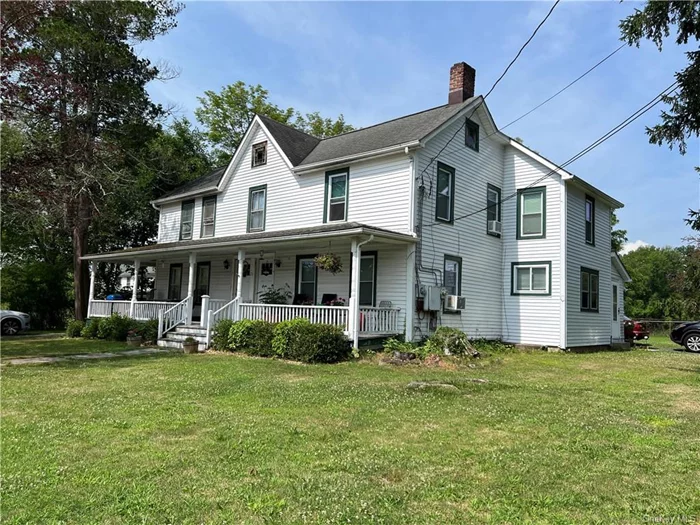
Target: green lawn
{"x": 660, "y": 341}
{"x": 32, "y": 346}
{"x": 551, "y": 438}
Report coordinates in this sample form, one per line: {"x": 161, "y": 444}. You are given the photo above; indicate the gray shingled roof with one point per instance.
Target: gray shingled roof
{"x": 391, "y": 133}
{"x": 251, "y": 237}
{"x": 302, "y": 149}
{"x": 295, "y": 144}
{"x": 210, "y": 180}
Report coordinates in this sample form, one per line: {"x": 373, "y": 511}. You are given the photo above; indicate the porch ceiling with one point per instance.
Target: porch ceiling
{"x": 299, "y": 237}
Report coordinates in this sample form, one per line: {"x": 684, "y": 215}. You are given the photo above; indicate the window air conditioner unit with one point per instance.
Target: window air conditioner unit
{"x": 494, "y": 227}
{"x": 455, "y": 302}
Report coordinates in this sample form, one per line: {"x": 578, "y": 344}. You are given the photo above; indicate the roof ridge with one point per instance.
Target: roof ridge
{"x": 288, "y": 126}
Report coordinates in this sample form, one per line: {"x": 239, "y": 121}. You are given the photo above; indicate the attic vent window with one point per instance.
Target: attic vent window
{"x": 471, "y": 138}
{"x": 260, "y": 154}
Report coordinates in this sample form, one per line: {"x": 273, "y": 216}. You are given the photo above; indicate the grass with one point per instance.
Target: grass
{"x": 660, "y": 341}
{"x": 551, "y": 438}
{"x": 32, "y": 346}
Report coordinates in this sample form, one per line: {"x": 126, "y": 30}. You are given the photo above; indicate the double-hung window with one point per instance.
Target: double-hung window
{"x": 493, "y": 208}
{"x": 208, "y": 216}
{"x": 175, "y": 282}
{"x": 368, "y": 278}
{"x": 257, "y": 202}
{"x": 186, "y": 220}
{"x": 590, "y": 220}
{"x": 531, "y": 278}
{"x": 589, "y": 290}
{"x": 307, "y": 273}
{"x": 532, "y": 204}
{"x": 336, "y": 205}
{"x": 452, "y": 275}
{"x": 445, "y": 194}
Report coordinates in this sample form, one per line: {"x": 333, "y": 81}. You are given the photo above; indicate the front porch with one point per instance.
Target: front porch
{"x": 197, "y": 288}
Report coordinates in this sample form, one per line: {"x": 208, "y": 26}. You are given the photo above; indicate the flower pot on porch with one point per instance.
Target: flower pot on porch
{"x": 134, "y": 340}
{"x": 190, "y": 346}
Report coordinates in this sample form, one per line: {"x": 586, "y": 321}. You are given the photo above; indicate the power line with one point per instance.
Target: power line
{"x": 619, "y": 127}
{"x": 563, "y": 89}
{"x": 522, "y": 48}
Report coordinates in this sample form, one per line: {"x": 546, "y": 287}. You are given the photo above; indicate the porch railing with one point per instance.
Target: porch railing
{"x": 145, "y": 310}
{"x": 228, "y": 310}
{"x": 379, "y": 320}
{"x": 100, "y": 308}
{"x": 176, "y": 315}
{"x": 276, "y": 313}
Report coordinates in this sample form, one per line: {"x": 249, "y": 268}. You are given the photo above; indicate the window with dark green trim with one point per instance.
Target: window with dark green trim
{"x": 208, "y": 216}
{"x": 590, "y": 219}
{"x": 532, "y": 213}
{"x": 335, "y": 207}
{"x": 493, "y": 207}
{"x": 452, "y": 275}
{"x": 471, "y": 135}
{"x": 445, "y": 194}
{"x": 531, "y": 278}
{"x": 175, "y": 282}
{"x": 186, "y": 220}
{"x": 257, "y": 204}
{"x": 590, "y": 283}
{"x": 306, "y": 279}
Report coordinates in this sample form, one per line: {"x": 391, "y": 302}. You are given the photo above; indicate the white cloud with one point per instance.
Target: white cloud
{"x": 631, "y": 246}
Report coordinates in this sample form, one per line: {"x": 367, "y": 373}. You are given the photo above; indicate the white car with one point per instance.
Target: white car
{"x": 13, "y": 322}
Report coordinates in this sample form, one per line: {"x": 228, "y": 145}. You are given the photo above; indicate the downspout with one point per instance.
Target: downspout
{"x": 354, "y": 293}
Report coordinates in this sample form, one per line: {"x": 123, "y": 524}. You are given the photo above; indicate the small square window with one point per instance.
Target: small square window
{"x": 260, "y": 154}
{"x": 471, "y": 137}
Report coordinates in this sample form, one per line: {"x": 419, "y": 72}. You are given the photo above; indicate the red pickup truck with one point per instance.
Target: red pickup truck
{"x": 635, "y": 330}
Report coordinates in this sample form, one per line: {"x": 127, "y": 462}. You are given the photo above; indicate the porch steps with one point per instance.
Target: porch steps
{"x": 176, "y": 337}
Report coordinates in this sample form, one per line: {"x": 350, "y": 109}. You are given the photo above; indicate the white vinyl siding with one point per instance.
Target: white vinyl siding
{"x": 585, "y": 328}
{"x": 482, "y": 255}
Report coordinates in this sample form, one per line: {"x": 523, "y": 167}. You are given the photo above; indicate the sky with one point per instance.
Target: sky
{"x": 377, "y": 61}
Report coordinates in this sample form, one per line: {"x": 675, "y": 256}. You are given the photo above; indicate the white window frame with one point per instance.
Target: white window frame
{"x": 547, "y": 265}
{"x": 262, "y": 211}
{"x": 521, "y": 213}
{"x": 208, "y": 221}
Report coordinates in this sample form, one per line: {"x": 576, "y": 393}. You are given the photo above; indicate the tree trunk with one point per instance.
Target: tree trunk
{"x": 81, "y": 273}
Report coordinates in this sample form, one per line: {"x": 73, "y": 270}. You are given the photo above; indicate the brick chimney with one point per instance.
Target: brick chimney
{"x": 462, "y": 79}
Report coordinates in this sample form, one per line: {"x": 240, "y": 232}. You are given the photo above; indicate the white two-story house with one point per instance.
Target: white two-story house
{"x": 438, "y": 218}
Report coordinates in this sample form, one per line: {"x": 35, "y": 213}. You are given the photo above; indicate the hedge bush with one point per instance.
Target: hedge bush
{"x": 75, "y": 328}
{"x": 220, "y": 334}
{"x": 252, "y": 337}
{"x": 115, "y": 327}
{"x": 148, "y": 330}
{"x": 299, "y": 340}
{"x": 91, "y": 328}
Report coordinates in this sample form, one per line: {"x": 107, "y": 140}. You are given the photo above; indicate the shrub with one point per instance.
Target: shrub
{"x": 492, "y": 346}
{"x": 450, "y": 341}
{"x": 220, "y": 334}
{"x": 75, "y": 328}
{"x": 405, "y": 347}
{"x": 300, "y": 340}
{"x": 91, "y": 328}
{"x": 115, "y": 327}
{"x": 149, "y": 330}
{"x": 252, "y": 337}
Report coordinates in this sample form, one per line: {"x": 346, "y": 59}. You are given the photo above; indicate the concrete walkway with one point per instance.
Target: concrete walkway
{"x": 83, "y": 357}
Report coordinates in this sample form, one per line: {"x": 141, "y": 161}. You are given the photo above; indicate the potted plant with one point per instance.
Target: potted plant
{"x": 338, "y": 301}
{"x": 272, "y": 295}
{"x": 329, "y": 262}
{"x": 134, "y": 338}
{"x": 190, "y": 345}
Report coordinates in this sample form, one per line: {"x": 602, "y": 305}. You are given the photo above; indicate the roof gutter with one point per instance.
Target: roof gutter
{"x": 180, "y": 196}
{"x": 399, "y": 148}
{"x": 614, "y": 203}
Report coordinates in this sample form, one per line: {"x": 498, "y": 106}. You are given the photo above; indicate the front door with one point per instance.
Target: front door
{"x": 201, "y": 288}
{"x": 266, "y": 276}
{"x": 616, "y": 330}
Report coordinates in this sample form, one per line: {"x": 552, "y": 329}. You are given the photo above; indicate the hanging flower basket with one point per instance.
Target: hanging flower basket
{"x": 329, "y": 262}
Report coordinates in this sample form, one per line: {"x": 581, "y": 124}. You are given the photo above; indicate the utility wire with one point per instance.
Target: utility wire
{"x": 522, "y": 48}
{"x": 622, "y": 125}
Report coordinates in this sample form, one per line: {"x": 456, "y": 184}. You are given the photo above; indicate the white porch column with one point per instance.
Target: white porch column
{"x": 239, "y": 283}
{"x": 410, "y": 290}
{"x": 91, "y": 296}
{"x": 137, "y": 267}
{"x": 354, "y": 313}
{"x": 190, "y": 285}
{"x": 204, "y": 315}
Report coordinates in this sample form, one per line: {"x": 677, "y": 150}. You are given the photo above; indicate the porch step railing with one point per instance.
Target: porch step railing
{"x": 276, "y": 313}
{"x": 229, "y": 310}
{"x": 176, "y": 315}
{"x": 379, "y": 320}
{"x": 145, "y": 310}
{"x": 100, "y": 308}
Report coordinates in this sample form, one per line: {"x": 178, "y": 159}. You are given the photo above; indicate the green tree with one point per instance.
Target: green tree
{"x": 227, "y": 114}
{"x": 618, "y": 238}
{"x": 655, "y": 22}
{"x": 70, "y": 75}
